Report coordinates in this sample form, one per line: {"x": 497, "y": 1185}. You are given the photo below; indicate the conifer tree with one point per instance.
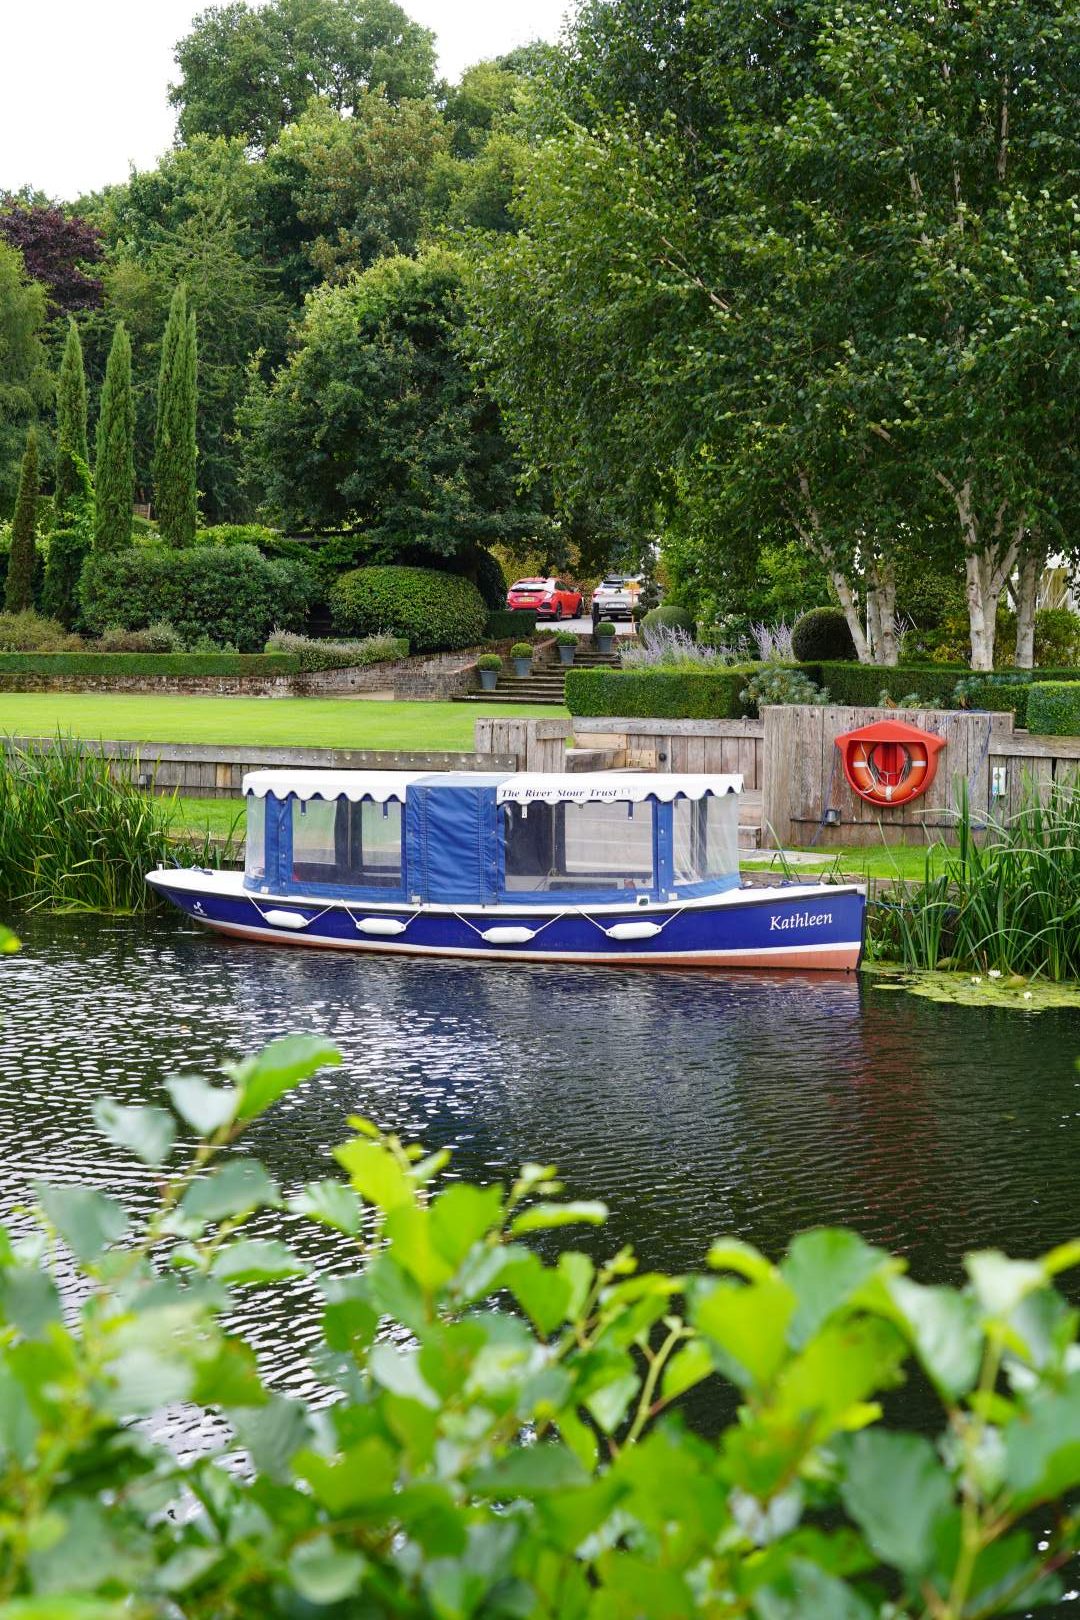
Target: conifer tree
{"x": 175, "y": 490}
{"x": 114, "y": 467}
{"x": 19, "y": 589}
{"x": 70, "y": 421}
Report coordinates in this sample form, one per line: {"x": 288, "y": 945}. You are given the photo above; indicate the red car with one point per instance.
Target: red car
{"x": 549, "y": 597}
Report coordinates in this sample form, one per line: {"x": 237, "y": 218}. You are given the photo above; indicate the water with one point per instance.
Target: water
{"x": 693, "y": 1104}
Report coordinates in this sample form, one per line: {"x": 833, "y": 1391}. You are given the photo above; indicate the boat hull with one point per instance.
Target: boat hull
{"x": 801, "y": 926}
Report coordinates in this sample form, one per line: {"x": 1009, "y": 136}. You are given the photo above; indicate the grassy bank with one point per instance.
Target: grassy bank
{"x": 261, "y": 722}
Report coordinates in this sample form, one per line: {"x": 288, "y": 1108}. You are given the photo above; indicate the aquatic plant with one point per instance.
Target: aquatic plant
{"x": 78, "y": 833}
{"x": 1005, "y": 897}
{"x": 504, "y": 1439}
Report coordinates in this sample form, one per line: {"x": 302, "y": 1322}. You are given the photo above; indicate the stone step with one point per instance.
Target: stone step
{"x": 553, "y": 701}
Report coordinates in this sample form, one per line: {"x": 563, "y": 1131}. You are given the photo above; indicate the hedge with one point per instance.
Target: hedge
{"x": 230, "y": 593}
{"x": 503, "y": 623}
{"x": 172, "y": 664}
{"x": 658, "y": 694}
{"x": 433, "y": 611}
{"x": 861, "y": 685}
{"x": 822, "y": 635}
{"x": 1054, "y": 708}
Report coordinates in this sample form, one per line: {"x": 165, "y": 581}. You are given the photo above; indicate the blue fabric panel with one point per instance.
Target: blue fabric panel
{"x": 451, "y": 827}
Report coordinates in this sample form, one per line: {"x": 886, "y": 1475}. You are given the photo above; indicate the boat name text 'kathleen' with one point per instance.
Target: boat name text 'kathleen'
{"x": 801, "y": 919}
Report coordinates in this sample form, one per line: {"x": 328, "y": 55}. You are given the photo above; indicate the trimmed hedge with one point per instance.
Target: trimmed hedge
{"x": 315, "y": 656}
{"x": 658, "y": 694}
{"x": 671, "y": 616}
{"x": 434, "y": 612}
{"x": 822, "y": 635}
{"x": 861, "y": 685}
{"x": 229, "y": 593}
{"x": 1053, "y": 708}
{"x": 173, "y": 664}
{"x": 502, "y": 623}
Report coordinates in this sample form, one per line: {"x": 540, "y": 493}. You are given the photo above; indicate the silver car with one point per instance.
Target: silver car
{"x": 616, "y": 596}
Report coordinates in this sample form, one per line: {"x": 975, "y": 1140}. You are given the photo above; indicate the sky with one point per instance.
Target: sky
{"x": 83, "y": 83}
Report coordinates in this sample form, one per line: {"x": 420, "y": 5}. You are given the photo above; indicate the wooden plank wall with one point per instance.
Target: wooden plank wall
{"x": 694, "y": 746}
{"x": 804, "y": 777}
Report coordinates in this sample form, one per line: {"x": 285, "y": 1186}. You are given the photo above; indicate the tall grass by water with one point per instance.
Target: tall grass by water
{"x": 1005, "y": 898}
{"x": 78, "y": 833}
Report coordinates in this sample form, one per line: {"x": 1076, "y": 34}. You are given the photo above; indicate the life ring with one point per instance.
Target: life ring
{"x": 889, "y": 763}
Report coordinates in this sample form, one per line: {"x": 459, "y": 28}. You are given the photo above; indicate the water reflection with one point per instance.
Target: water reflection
{"x": 695, "y": 1104}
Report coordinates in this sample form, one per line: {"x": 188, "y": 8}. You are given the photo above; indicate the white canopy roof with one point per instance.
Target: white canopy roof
{"x": 355, "y": 785}
{"x": 592, "y": 786}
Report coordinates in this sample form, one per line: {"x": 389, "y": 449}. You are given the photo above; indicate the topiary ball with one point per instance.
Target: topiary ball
{"x": 671, "y": 616}
{"x": 822, "y": 636}
{"x": 434, "y": 612}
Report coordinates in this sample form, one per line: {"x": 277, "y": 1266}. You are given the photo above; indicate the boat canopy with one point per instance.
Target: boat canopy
{"x": 596, "y": 787}
{"x": 474, "y": 838}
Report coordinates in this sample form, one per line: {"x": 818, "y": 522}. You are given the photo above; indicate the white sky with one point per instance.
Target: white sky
{"x": 83, "y": 82}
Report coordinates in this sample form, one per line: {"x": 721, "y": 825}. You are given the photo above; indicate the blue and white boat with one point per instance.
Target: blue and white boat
{"x": 627, "y": 868}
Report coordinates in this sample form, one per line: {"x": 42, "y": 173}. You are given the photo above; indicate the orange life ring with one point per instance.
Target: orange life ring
{"x": 889, "y": 763}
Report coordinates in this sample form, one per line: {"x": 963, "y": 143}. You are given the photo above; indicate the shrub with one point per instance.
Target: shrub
{"x": 510, "y": 622}
{"x": 156, "y": 638}
{"x": 565, "y": 638}
{"x": 780, "y": 684}
{"x": 998, "y": 693}
{"x": 822, "y": 634}
{"x": 1054, "y": 708}
{"x": 774, "y": 642}
{"x": 657, "y": 694}
{"x": 606, "y": 628}
{"x": 861, "y": 685}
{"x": 1057, "y": 637}
{"x": 671, "y": 616}
{"x": 314, "y": 655}
{"x": 435, "y": 612}
{"x": 521, "y": 649}
{"x": 670, "y": 647}
{"x": 230, "y": 594}
{"x": 182, "y": 664}
{"x": 32, "y": 632}
{"x": 490, "y": 580}
{"x": 237, "y": 534}
{"x": 489, "y": 661}
{"x": 501, "y": 1432}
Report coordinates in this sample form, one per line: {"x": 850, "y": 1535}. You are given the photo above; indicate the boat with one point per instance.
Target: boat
{"x": 628, "y": 868}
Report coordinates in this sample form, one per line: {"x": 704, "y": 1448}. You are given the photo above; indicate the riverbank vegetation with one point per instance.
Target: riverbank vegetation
{"x": 507, "y": 1435}
{"x": 76, "y": 835}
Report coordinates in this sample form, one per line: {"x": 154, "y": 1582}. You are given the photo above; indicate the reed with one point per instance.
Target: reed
{"x": 1005, "y": 898}
{"x": 77, "y": 832}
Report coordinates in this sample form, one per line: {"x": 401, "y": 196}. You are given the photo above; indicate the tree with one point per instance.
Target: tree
{"x": 250, "y": 72}
{"x": 114, "y": 466}
{"x": 19, "y": 588}
{"x": 175, "y": 487}
{"x": 811, "y": 273}
{"x": 70, "y": 543}
{"x": 377, "y": 424}
{"x": 56, "y": 247}
{"x": 71, "y": 441}
{"x": 24, "y": 379}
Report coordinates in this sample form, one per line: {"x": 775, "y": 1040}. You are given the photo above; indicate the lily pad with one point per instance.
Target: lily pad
{"x": 978, "y": 989}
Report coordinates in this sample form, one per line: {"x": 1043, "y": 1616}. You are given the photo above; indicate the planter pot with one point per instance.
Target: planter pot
{"x": 566, "y": 655}
{"x": 488, "y": 679}
{"x": 605, "y": 644}
{"x": 522, "y": 667}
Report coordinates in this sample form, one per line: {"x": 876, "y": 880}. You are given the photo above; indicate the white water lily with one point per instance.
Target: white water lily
{"x": 976, "y": 980}
{"x": 994, "y": 974}
{"x": 1027, "y": 995}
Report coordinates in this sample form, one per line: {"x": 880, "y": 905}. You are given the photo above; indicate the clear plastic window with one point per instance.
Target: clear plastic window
{"x": 578, "y": 846}
{"x": 255, "y": 844}
{"x": 349, "y": 845}
{"x": 706, "y": 837}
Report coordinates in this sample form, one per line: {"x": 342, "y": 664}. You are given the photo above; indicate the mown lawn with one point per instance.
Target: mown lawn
{"x": 873, "y": 861}
{"x": 259, "y": 722}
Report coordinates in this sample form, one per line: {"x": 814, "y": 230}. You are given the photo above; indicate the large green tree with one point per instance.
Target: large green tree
{"x": 377, "y": 423}
{"x": 24, "y": 379}
{"x": 71, "y": 440}
{"x": 817, "y": 273}
{"x": 114, "y": 465}
{"x": 249, "y": 71}
{"x": 19, "y": 586}
{"x": 175, "y": 478}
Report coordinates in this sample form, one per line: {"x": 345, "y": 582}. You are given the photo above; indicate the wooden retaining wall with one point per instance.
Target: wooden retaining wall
{"x": 694, "y": 746}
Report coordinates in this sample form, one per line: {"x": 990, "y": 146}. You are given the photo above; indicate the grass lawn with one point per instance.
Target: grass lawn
{"x": 222, "y": 818}
{"x": 872, "y": 861}
{"x": 258, "y": 722}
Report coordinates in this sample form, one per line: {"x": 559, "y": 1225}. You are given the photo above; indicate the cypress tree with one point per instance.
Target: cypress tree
{"x": 175, "y": 491}
{"x": 19, "y": 589}
{"x": 70, "y": 421}
{"x": 114, "y": 466}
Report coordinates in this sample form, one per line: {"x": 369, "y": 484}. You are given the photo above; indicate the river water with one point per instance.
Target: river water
{"x": 694, "y": 1104}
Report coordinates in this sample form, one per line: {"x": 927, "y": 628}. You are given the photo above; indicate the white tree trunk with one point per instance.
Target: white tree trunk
{"x": 989, "y": 560}
{"x": 982, "y": 613}
{"x": 1027, "y": 601}
{"x": 881, "y": 612}
{"x": 846, "y": 597}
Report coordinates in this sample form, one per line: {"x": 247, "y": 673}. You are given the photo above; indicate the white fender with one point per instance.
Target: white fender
{"x": 508, "y": 936}
{"x": 284, "y": 919}
{"x": 386, "y": 927}
{"x": 633, "y": 930}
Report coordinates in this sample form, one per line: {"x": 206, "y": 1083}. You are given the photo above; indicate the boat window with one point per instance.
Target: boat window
{"x": 578, "y": 846}
{"x": 706, "y": 837}
{"x": 348, "y": 845}
{"x": 255, "y": 846}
